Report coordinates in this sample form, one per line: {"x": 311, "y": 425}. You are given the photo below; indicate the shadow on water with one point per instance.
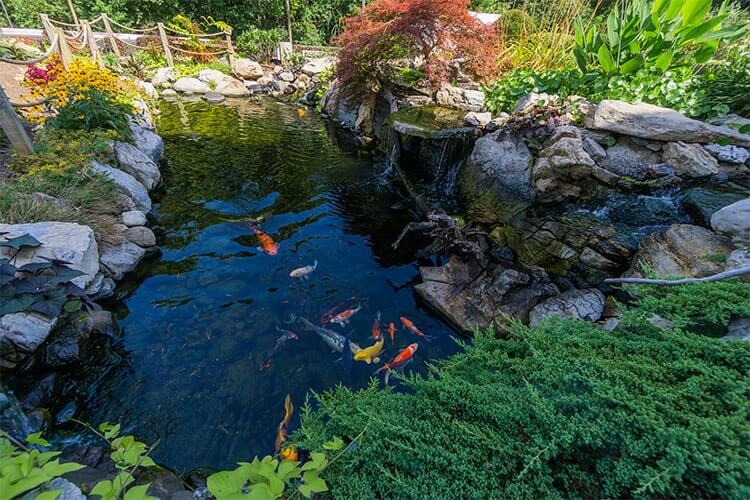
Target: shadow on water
{"x": 199, "y": 321}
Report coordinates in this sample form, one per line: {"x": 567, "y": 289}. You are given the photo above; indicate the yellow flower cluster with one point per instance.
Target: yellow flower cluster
{"x": 83, "y": 74}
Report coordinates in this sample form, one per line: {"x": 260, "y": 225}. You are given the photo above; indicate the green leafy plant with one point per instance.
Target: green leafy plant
{"x": 23, "y": 468}
{"x": 258, "y": 43}
{"x": 658, "y": 34}
{"x": 269, "y": 478}
{"x": 563, "y": 410}
{"x": 91, "y": 110}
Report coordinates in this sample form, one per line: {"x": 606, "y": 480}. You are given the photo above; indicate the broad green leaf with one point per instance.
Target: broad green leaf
{"x": 20, "y": 242}
{"x": 580, "y": 59}
{"x": 334, "y": 444}
{"x": 314, "y": 482}
{"x": 706, "y": 52}
{"x": 48, "y": 495}
{"x": 225, "y": 482}
{"x": 613, "y": 35}
{"x": 606, "y": 60}
{"x": 631, "y": 65}
{"x": 139, "y": 493}
{"x": 102, "y": 488}
{"x": 37, "y": 439}
{"x": 288, "y": 470}
{"x": 673, "y": 9}
{"x": 663, "y": 62}
{"x": 260, "y": 491}
{"x": 693, "y": 11}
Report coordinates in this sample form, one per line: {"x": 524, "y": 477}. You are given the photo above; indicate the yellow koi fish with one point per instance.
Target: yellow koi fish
{"x": 370, "y": 354}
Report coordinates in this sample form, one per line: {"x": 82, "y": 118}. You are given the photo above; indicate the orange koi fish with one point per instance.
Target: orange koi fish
{"x": 401, "y": 359}
{"x": 288, "y": 411}
{"x": 343, "y": 318}
{"x": 267, "y": 245}
{"x": 300, "y": 112}
{"x": 376, "y": 332}
{"x": 410, "y": 326}
{"x": 392, "y": 331}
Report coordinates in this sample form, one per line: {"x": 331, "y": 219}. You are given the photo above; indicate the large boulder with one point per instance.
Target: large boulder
{"x": 133, "y": 161}
{"x": 150, "y": 143}
{"x": 121, "y": 259}
{"x": 458, "y": 98}
{"x": 65, "y": 241}
{"x": 629, "y": 159}
{"x": 681, "y": 250}
{"x": 188, "y": 85}
{"x": 470, "y": 300}
{"x": 133, "y": 218}
{"x": 502, "y": 163}
{"x": 701, "y": 203}
{"x": 141, "y": 236}
{"x": 247, "y": 69}
{"x": 316, "y": 66}
{"x": 734, "y": 220}
{"x": 164, "y": 77}
{"x": 20, "y": 335}
{"x": 127, "y": 183}
{"x": 582, "y": 305}
{"x": 656, "y": 123}
{"x": 689, "y": 160}
{"x": 231, "y": 87}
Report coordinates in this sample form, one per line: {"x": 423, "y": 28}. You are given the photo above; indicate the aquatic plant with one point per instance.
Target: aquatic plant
{"x": 562, "y": 410}
{"x": 437, "y": 31}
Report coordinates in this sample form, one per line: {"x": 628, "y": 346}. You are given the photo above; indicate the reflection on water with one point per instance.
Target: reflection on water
{"x": 199, "y": 321}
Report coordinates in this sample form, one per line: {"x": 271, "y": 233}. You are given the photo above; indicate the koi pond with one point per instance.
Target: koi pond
{"x": 206, "y": 364}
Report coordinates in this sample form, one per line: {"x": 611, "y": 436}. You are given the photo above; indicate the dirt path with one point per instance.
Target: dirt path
{"x": 10, "y": 78}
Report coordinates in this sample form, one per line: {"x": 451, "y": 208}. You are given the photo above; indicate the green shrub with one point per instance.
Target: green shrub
{"x": 258, "y": 43}
{"x": 565, "y": 410}
{"x": 93, "y": 110}
{"x": 515, "y": 22}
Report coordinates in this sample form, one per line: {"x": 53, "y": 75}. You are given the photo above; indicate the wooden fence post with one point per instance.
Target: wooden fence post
{"x": 111, "y": 36}
{"x": 230, "y": 48}
{"x": 66, "y": 55}
{"x": 165, "y": 45}
{"x": 48, "y": 29}
{"x": 93, "y": 49}
{"x": 289, "y": 22}
{"x": 73, "y": 14}
{"x": 19, "y": 138}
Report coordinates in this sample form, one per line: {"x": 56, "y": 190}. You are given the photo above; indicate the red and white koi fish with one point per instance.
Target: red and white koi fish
{"x": 400, "y": 360}
{"x": 343, "y": 318}
{"x": 267, "y": 245}
{"x": 410, "y": 326}
{"x": 376, "y": 331}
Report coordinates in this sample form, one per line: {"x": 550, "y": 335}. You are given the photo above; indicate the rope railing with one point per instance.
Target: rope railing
{"x": 128, "y": 28}
{"x": 195, "y": 35}
{"x": 184, "y": 51}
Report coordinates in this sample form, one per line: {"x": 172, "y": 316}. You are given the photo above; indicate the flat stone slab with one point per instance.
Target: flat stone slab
{"x": 126, "y": 182}
{"x": 65, "y": 241}
{"x": 136, "y": 163}
{"x": 20, "y": 335}
{"x": 656, "y": 123}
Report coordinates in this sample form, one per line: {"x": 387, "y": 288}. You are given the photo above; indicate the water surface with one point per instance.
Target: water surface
{"x": 199, "y": 320}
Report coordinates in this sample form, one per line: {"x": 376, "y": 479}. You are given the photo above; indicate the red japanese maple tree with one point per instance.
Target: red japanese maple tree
{"x": 438, "y": 34}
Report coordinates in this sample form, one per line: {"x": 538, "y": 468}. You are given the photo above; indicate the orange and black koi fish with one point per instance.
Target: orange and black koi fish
{"x": 392, "y": 331}
{"x": 267, "y": 245}
{"x": 410, "y": 326}
{"x": 401, "y": 359}
{"x": 343, "y": 318}
{"x": 288, "y": 411}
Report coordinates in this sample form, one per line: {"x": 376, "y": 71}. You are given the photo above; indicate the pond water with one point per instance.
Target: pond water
{"x": 199, "y": 321}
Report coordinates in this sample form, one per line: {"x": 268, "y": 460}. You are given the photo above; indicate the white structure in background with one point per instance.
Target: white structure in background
{"x": 486, "y": 18}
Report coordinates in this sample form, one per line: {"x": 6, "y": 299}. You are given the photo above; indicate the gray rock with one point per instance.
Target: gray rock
{"x": 141, "y": 236}
{"x": 734, "y": 221}
{"x": 564, "y": 169}
{"x": 657, "y": 123}
{"x": 134, "y": 218}
{"x": 187, "y": 85}
{"x": 212, "y": 76}
{"x": 660, "y": 322}
{"x": 134, "y": 162}
{"x": 148, "y": 142}
{"x": 628, "y": 159}
{"x": 502, "y": 164}
{"x": 127, "y": 183}
{"x": 594, "y": 149}
{"x": 474, "y": 119}
{"x": 316, "y": 66}
{"x": 164, "y": 76}
{"x": 65, "y": 241}
{"x": 20, "y": 335}
{"x": 265, "y": 80}
{"x": 101, "y": 288}
{"x": 231, "y": 87}
{"x": 168, "y": 93}
{"x": 729, "y": 154}
{"x": 247, "y": 69}
{"x": 681, "y": 250}
{"x": 646, "y": 210}
{"x": 213, "y": 97}
{"x": 121, "y": 259}
{"x": 738, "y": 329}
{"x": 68, "y": 490}
{"x": 286, "y": 76}
{"x": 702, "y": 203}
{"x": 458, "y": 98}
{"x": 281, "y": 86}
{"x": 689, "y": 160}
{"x": 739, "y": 258}
{"x": 147, "y": 88}
{"x": 532, "y": 99}
{"x": 124, "y": 203}
{"x": 585, "y": 305}
{"x": 67, "y": 344}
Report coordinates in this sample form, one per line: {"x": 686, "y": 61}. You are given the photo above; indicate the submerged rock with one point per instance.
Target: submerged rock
{"x": 682, "y": 250}
{"x": 734, "y": 221}
{"x": 583, "y": 305}
{"x": 64, "y": 241}
{"x": 657, "y": 123}
{"x": 470, "y": 298}
{"x": 68, "y": 344}
{"x": 20, "y": 335}
{"x": 702, "y": 203}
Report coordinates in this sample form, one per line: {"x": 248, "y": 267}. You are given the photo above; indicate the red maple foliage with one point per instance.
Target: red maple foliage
{"x": 439, "y": 34}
